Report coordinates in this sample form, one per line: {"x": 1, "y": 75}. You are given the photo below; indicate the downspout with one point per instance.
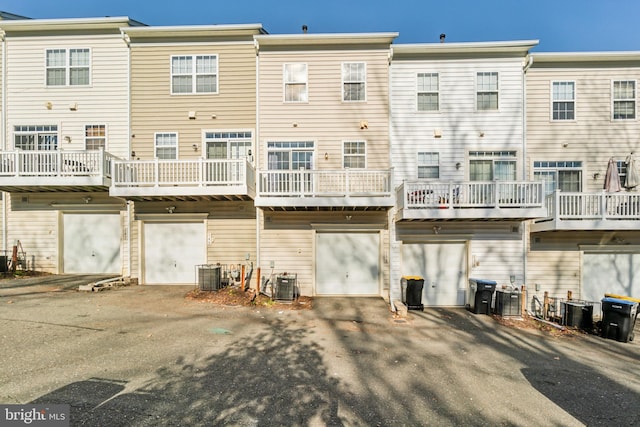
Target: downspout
{"x": 525, "y": 233}
{"x": 3, "y": 120}
{"x": 391, "y": 215}
{"x": 257, "y": 155}
{"x": 129, "y": 203}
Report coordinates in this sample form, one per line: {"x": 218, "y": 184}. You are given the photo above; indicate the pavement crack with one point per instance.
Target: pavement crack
{"x": 52, "y": 324}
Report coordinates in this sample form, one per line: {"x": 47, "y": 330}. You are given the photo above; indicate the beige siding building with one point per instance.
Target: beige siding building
{"x": 582, "y": 117}
{"x": 324, "y": 175}
{"x": 65, "y": 116}
{"x": 190, "y": 172}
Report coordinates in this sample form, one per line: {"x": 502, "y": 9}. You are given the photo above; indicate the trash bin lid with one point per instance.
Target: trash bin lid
{"x": 484, "y": 282}
{"x": 618, "y": 301}
{"x": 412, "y": 277}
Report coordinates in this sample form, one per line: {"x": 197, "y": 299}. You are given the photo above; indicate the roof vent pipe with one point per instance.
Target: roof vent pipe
{"x": 304, "y": 29}
{"x": 442, "y": 37}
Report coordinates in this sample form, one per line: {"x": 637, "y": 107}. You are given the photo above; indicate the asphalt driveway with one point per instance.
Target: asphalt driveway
{"x": 146, "y": 356}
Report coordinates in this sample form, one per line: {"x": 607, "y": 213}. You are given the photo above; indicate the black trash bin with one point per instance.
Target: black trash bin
{"x": 618, "y": 319}
{"x": 508, "y": 303}
{"x": 479, "y": 295}
{"x": 577, "y": 314}
{"x": 412, "y": 292}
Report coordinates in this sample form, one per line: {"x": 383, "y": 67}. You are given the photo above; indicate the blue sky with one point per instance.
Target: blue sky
{"x": 559, "y": 25}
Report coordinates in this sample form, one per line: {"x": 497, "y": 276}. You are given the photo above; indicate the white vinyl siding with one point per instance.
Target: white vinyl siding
{"x": 487, "y": 91}
{"x": 295, "y": 83}
{"x": 624, "y": 100}
{"x": 68, "y": 67}
{"x": 563, "y": 95}
{"x": 354, "y": 81}
{"x": 192, "y": 74}
{"x": 428, "y": 92}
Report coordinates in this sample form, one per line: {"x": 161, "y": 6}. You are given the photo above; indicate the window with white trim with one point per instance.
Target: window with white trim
{"x": 228, "y": 145}
{"x": 95, "y": 137}
{"x": 559, "y": 175}
{"x": 166, "y": 145}
{"x": 428, "y": 165}
{"x": 33, "y": 138}
{"x": 487, "y": 90}
{"x": 428, "y": 92}
{"x": 192, "y": 74}
{"x": 68, "y": 67}
{"x": 354, "y": 81}
{"x": 354, "y": 155}
{"x": 295, "y": 83}
{"x": 563, "y": 95}
{"x": 624, "y": 100}
{"x": 492, "y": 165}
{"x": 290, "y": 155}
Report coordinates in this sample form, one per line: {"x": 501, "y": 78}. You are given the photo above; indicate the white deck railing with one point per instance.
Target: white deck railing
{"x": 470, "y": 194}
{"x": 55, "y": 163}
{"x": 599, "y": 205}
{"x": 197, "y": 172}
{"x": 324, "y": 183}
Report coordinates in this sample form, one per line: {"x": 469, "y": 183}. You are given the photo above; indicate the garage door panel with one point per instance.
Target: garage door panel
{"x": 612, "y": 273}
{"x": 347, "y": 263}
{"x": 91, "y": 243}
{"x": 442, "y": 265}
{"x": 172, "y": 250}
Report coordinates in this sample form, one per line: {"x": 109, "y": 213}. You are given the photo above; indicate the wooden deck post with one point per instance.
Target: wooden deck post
{"x": 545, "y": 305}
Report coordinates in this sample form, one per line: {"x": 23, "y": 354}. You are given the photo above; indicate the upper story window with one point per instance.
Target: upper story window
{"x": 194, "y": 74}
{"x": 428, "y": 165}
{"x": 95, "y": 137}
{"x": 295, "y": 83}
{"x": 166, "y": 145}
{"x": 428, "y": 92}
{"x": 354, "y": 154}
{"x": 624, "y": 100}
{"x": 487, "y": 91}
{"x": 43, "y": 137}
{"x": 563, "y": 98}
{"x": 354, "y": 81}
{"x": 68, "y": 67}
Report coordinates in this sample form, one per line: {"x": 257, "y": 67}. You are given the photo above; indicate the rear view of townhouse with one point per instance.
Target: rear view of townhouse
{"x": 582, "y": 116}
{"x": 345, "y": 160}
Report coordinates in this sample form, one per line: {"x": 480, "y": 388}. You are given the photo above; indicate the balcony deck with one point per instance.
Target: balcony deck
{"x": 591, "y": 211}
{"x": 183, "y": 179}
{"x": 471, "y": 200}
{"x": 49, "y": 171}
{"x": 327, "y": 189}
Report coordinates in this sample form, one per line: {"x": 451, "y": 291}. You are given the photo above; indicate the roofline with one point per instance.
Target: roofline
{"x": 193, "y": 30}
{"x": 68, "y": 23}
{"x": 11, "y": 16}
{"x": 555, "y": 57}
{"x": 467, "y": 47}
{"x": 324, "y": 39}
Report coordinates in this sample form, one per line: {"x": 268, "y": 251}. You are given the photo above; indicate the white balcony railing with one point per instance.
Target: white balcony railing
{"x": 594, "y": 206}
{"x": 60, "y": 164}
{"x": 470, "y": 194}
{"x": 325, "y": 183}
{"x": 183, "y": 173}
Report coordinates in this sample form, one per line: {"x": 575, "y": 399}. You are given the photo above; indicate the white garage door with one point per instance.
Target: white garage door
{"x": 609, "y": 273}
{"x": 91, "y": 243}
{"x": 442, "y": 265}
{"x": 347, "y": 263}
{"x": 172, "y": 250}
